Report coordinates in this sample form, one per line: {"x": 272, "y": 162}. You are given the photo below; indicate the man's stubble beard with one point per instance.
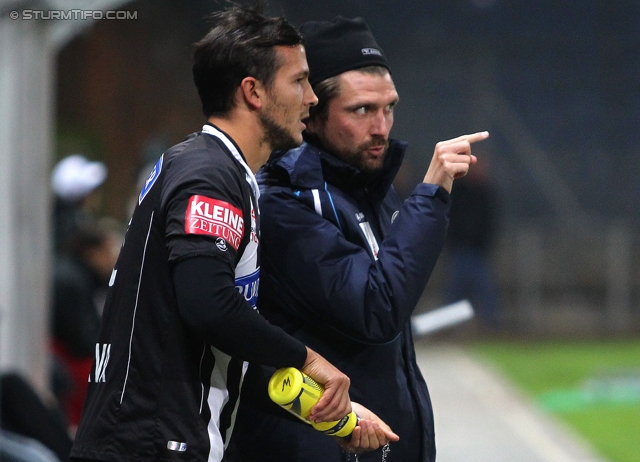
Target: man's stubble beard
{"x": 358, "y": 156}
{"x": 275, "y": 135}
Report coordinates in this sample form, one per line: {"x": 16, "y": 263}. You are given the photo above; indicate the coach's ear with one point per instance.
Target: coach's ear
{"x": 252, "y": 92}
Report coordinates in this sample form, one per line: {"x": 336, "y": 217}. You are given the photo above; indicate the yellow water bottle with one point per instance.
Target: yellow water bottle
{"x": 296, "y": 392}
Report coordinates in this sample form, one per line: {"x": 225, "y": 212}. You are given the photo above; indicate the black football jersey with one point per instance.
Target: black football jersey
{"x": 157, "y": 391}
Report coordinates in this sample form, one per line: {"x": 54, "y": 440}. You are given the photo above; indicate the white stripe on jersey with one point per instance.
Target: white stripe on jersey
{"x": 251, "y": 178}
{"x": 217, "y": 399}
{"x": 204, "y": 350}
{"x": 218, "y": 395}
{"x": 135, "y": 307}
{"x": 245, "y": 366}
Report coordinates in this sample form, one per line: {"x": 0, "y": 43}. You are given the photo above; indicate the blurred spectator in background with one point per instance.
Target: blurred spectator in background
{"x": 470, "y": 239}
{"x": 75, "y": 181}
{"x": 80, "y": 282}
{"x": 31, "y": 429}
{"x": 85, "y": 251}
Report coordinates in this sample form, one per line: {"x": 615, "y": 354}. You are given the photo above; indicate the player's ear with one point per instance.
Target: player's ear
{"x": 252, "y": 92}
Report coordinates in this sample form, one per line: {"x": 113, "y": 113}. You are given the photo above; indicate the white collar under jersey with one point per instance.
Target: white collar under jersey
{"x": 251, "y": 178}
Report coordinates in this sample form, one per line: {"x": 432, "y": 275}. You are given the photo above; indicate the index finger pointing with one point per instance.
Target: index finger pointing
{"x": 471, "y": 138}
{"x": 479, "y": 136}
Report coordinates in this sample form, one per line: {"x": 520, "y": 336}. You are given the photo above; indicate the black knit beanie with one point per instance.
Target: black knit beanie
{"x": 339, "y": 46}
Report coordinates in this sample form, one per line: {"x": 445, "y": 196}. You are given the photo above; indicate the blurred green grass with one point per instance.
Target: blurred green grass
{"x": 595, "y": 386}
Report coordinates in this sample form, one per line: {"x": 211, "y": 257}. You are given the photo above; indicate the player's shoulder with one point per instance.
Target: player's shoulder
{"x": 200, "y": 148}
{"x": 201, "y": 157}
{"x": 202, "y": 166}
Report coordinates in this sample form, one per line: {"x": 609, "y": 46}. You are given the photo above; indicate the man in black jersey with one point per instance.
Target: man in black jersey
{"x": 180, "y": 320}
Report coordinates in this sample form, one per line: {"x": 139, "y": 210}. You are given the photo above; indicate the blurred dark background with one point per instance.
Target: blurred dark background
{"x": 557, "y": 83}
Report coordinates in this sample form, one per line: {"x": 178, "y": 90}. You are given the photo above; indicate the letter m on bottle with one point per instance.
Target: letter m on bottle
{"x": 102, "y": 358}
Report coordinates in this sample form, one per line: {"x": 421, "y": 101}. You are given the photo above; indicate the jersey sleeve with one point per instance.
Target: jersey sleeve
{"x": 204, "y": 209}
{"x": 224, "y": 319}
{"x": 212, "y": 248}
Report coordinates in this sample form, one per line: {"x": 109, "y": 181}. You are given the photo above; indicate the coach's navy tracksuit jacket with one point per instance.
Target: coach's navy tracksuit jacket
{"x": 344, "y": 262}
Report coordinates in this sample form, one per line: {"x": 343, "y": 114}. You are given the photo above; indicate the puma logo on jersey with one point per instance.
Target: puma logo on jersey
{"x": 221, "y": 244}
{"x": 214, "y": 218}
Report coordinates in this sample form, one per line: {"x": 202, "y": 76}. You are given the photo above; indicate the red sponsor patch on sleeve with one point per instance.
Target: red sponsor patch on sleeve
{"x": 213, "y": 217}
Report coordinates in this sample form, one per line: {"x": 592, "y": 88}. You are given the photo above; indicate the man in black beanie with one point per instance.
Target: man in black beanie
{"x": 344, "y": 260}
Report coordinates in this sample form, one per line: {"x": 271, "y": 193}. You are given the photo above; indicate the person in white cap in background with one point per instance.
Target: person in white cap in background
{"x": 85, "y": 251}
{"x": 75, "y": 181}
